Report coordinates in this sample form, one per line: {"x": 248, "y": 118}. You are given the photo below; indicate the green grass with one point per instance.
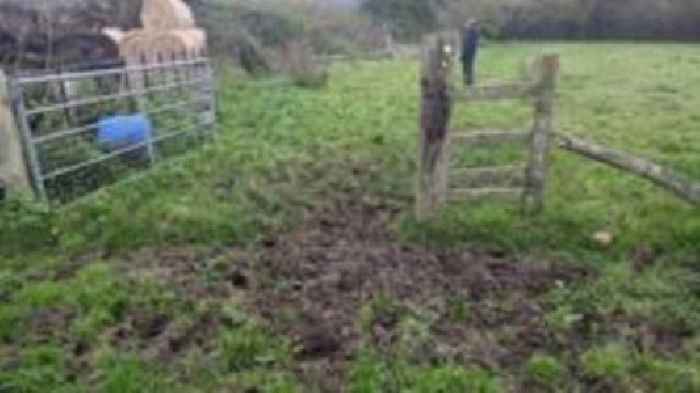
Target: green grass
{"x": 283, "y": 148}
{"x": 610, "y": 99}
{"x": 546, "y": 370}
{"x": 372, "y": 374}
{"x": 369, "y": 112}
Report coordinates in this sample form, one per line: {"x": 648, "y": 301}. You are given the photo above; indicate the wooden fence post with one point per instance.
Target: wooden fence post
{"x": 436, "y": 109}
{"x": 542, "y": 134}
{"x": 389, "y": 44}
{"x": 177, "y": 75}
{"x": 143, "y": 102}
{"x": 145, "y": 61}
{"x": 13, "y": 169}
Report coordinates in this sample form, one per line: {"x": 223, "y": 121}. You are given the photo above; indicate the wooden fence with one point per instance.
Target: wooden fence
{"x": 437, "y": 139}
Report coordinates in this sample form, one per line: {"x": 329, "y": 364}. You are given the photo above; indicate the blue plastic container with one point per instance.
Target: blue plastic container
{"x": 120, "y": 132}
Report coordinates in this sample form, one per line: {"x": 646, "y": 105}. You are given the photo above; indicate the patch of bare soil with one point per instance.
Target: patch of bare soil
{"x": 162, "y": 337}
{"x": 312, "y": 283}
{"x": 342, "y": 279}
{"x": 480, "y": 308}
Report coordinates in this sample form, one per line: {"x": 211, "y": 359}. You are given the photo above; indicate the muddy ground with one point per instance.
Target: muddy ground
{"x": 342, "y": 280}
{"x": 473, "y": 308}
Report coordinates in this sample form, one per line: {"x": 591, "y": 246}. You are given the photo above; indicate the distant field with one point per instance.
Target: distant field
{"x": 286, "y": 258}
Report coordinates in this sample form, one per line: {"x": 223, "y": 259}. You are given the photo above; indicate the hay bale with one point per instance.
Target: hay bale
{"x": 133, "y": 45}
{"x": 164, "y": 45}
{"x": 194, "y": 40}
{"x": 153, "y": 43}
{"x": 166, "y": 15}
{"x": 152, "y": 46}
{"x": 135, "y": 48}
{"x": 114, "y": 33}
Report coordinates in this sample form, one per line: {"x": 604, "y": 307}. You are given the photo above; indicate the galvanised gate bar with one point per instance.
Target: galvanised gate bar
{"x": 82, "y": 130}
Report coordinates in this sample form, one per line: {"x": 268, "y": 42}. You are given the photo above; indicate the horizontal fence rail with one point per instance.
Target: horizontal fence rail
{"x": 92, "y": 127}
{"x": 496, "y": 92}
{"x": 663, "y": 177}
{"x": 115, "y": 153}
{"x": 112, "y": 97}
{"x": 461, "y": 194}
{"x": 487, "y": 137}
{"x": 512, "y": 175}
{"x": 72, "y": 76}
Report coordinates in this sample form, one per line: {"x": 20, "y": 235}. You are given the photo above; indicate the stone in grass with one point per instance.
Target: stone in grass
{"x": 604, "y": 238}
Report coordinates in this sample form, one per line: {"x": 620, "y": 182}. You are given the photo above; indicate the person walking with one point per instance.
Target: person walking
{"x": 470, "y": 46}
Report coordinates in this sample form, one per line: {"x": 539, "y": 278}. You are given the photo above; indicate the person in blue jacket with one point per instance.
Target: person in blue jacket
{"x": 470, "y": 46}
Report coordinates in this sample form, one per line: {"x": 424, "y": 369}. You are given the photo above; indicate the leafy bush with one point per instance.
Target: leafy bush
{"x": 254, "y": 32}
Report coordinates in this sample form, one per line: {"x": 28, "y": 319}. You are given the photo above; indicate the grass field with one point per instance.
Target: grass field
{"x": 285, "y": 258}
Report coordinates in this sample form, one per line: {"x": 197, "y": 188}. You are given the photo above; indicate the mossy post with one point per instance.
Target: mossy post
{"x": 436, "y": 109}
{"x": 542, "y": 134}
{"x": 14, "y": 175}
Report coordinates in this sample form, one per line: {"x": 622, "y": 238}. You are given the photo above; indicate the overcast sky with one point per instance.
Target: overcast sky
{"x": 344, "y": 2}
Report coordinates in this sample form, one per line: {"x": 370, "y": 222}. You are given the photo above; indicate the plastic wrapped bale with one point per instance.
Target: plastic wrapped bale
{"x": 138, "y": 48}
{"x": 151, "y": 46}
{"x": 151, "y": 43}
{"x": 126, "y": 131}
{"x": 195, "y": 40}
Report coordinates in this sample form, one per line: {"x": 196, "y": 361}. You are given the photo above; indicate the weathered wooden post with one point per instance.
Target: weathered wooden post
{"x": 436, "y": 109}
{"x": 147, "y": 74}
{"x": 13, "y": 169}
{"x": 187, "y": 70}
{"x": 177, "y": 76}
{"x": 389, "y": 44}
{"x": 542, "y": 134}
{"x": 146, "y": 77}
{"x": 162, "y": 73}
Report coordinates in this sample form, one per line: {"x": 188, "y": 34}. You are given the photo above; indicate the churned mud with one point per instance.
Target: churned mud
{"x": 341, "y": 281}
{"x": 313, "y": 284}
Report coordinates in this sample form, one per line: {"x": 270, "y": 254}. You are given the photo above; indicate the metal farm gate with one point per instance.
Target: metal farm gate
{"x": 61, "y": 120}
